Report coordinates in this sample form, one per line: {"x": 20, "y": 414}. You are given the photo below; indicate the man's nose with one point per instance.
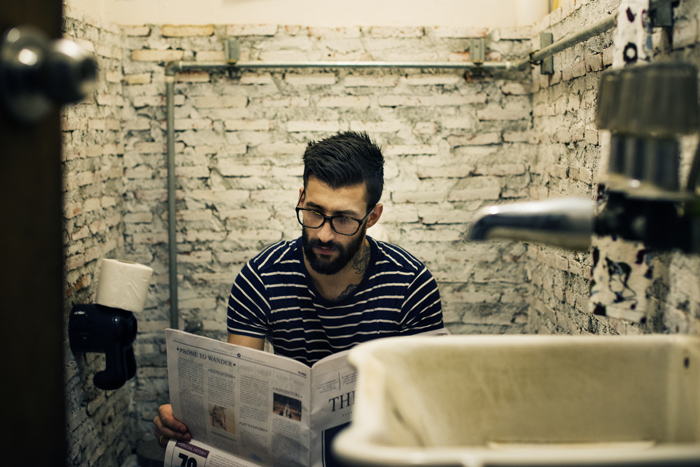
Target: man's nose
{"x": 326, "y": 233}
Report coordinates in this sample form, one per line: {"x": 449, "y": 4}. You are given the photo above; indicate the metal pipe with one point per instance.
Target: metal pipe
{"x": 562, "y": 44}
{"x": 191, "y": 65}
{"x": 570, "y": 41}
{"x": 172, "y": 235}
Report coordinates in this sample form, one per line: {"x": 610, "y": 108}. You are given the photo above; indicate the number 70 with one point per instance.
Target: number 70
{"x": 187, "y": 461}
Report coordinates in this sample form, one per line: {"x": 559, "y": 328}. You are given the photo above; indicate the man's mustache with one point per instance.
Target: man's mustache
{"x": 319, "y": 244}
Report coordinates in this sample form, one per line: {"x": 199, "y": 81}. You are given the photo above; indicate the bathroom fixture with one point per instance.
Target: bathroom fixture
{"x": 101, "y": 329}
{"x": 477, "y": 401}
{"x": 646, "y": 108}
{"x": 36, "y": 73}
{"x": 109, "y": 326}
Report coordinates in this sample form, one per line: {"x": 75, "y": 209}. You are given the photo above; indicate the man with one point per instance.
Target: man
{"x": 334, "y": 287}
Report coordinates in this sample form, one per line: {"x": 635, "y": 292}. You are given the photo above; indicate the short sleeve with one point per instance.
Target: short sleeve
{"x": 248, "y": 305}
{"x": 422, "y": 308}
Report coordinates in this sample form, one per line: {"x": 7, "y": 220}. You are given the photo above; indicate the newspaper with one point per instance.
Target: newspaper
{"x": 245, "y": 407}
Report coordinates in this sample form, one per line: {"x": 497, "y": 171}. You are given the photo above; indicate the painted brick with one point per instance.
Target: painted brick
{"x": 425, "y": 128}
{"x": 199, "y": 257}
{"x": 247, "y": 125}
{"x": 429, "y": 79}
{"x": 266, "y": 236}
{"x": 480, "y": 139}
{"x": 248, "y": 215}
{"x": 594, "y": 62}
{"x": 500, "y": 170}
{"x": 405, "y": 150}
{"x": 189, "y": 171}
{"x": 182, "y": 124}
{"x": 422, "y": 196}
{"x": 517, "y": 137}
{"x": 138, "y": 218}
{"x": 465, "y": 32}
{"x": 210, "y": 56}
{"x": 392, "y": 32}
{"x": 256, "y": 78}
{"x": 430, "y": 101}
{"x": 458, "y": 171}
{"x": 281, "y": 149}
{"x": 226, "y": 197}
{"x": 140, "y": 78}
{"x": 438, "y": 235}
{"x": 137, "y": 124}
{"x": 377, "y": 127}
{"x": 213, "y": 102}
{"x": 113, "y": 76}
{"x": 608, "y": 56}
{"x": 108, "y": 51}
{"x": 517, "y": 89}
{"x": 300, "y": 101}
{"x": 196, "y": 236}
{"x": 152, "y": 55}
{"x": 136, "y": 31}
{"x": 313, "y": 126}
{"x": 334, "y": 33}
{"x": 169, "y": 30}
{"x": 510, "y": 112}
{"x": 251, "y": 30}
{"x": 314, "y": 79}
{"x": 193, "y": 77}
{"x": 344, "y": 101}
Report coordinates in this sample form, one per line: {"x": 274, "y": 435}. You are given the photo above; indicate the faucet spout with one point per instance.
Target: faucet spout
{"x": 565, "y": 222}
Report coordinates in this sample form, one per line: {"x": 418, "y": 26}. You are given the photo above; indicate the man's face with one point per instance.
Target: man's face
{"x": 327, "y": 251}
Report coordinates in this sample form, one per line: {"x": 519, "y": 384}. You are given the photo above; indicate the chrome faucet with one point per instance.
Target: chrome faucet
{"x": 645, "y": 107}
{"x": 565, "y": 222}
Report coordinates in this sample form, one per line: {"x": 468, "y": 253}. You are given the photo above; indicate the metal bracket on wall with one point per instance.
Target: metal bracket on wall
{"x": 232, "y": 53}
{"x": 661, "y": 13}
{"x": 477, "y": 50}
{"x": 547, "y": 64}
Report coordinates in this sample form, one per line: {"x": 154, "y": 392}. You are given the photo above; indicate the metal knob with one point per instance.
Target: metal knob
{"x": 657, "y": 100}
{"x": 37, "y": 73}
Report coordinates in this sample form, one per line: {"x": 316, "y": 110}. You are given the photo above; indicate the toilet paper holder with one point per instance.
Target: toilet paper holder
{"x": 112, "y": 331}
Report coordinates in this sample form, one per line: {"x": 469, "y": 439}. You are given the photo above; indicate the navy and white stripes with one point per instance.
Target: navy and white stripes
{"x": 273, "y": 298}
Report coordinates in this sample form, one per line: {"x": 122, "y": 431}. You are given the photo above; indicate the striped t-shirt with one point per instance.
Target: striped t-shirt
{"x": 273, "y": 297}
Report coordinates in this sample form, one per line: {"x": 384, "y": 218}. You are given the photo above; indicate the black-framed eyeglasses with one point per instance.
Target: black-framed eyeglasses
{"x": 343, "y": 225}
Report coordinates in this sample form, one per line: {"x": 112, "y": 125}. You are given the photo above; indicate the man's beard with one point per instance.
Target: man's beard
{"x": 326, "y": 266}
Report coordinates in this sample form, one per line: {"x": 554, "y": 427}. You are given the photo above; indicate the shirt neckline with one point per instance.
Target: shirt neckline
{"x": 312, "y": 288}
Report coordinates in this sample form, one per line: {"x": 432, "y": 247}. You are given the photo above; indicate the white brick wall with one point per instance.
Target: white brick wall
{"x": 453, "y": 144}
{"x": 568, "y": 163}
{"x": 99, "y": 424}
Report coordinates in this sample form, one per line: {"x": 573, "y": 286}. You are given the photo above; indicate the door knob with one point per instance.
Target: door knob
{"x": 37, "y": 73}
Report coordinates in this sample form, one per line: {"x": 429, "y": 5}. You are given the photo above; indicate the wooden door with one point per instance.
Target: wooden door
{"x": 31, "y": 277}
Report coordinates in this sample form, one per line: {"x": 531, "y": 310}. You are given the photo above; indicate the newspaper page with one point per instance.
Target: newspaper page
{"x": 256, "y": 407}
{"x": 332, "y": 398}
{"x": 246, "y": 402}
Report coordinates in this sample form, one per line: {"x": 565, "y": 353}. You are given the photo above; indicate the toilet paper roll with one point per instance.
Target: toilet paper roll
{"x": 123, "y": 285}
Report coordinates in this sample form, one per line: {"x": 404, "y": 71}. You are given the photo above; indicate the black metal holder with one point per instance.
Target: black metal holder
{"x": 112, "y": 331}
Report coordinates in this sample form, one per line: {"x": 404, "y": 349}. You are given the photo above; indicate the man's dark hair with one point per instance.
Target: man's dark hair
{"x": 346, "y": 159}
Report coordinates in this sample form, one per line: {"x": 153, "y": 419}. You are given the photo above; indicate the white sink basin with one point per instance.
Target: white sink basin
{"x": 525, "y": 400}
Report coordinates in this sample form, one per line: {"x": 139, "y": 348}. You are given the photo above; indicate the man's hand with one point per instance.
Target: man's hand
{"x": 167, "y": 426}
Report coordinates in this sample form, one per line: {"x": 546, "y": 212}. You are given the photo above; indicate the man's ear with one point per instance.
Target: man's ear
{"x": 301, "y": 191}
{"x": 376, "y": 214}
